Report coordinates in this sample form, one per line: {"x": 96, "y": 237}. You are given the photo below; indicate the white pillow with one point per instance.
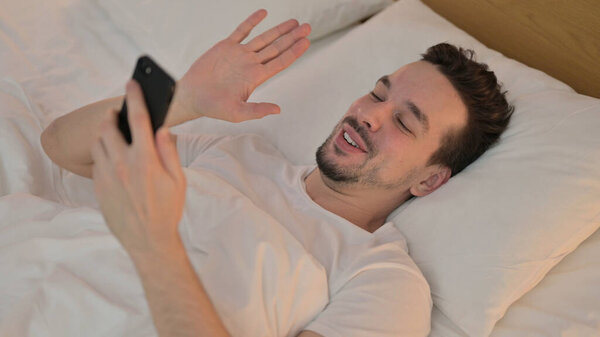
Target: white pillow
{"x": 564, "y": 303}
{"x": 176, "y": 32}
{"x": 493, "y": 231}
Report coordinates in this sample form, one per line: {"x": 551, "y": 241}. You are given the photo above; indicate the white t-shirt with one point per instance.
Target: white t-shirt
{"x": 275, "y": 263}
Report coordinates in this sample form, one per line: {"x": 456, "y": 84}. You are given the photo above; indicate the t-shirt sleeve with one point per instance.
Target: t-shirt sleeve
{"x": 379, "y": 302}
{"x": 191, "y": 145}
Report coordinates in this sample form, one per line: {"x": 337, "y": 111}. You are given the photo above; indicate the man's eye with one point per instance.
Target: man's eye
{"x": 375, "y": 96}
{"x": 402, "y": 124}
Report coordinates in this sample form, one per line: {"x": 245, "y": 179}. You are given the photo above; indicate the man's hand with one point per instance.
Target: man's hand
{"x": 219, "y": 82}
{"x": 140, "y": 188}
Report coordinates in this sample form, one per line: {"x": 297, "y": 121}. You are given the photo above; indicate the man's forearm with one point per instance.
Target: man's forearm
{"x": 178, "y": 302}
{"x": 69, "y": 138}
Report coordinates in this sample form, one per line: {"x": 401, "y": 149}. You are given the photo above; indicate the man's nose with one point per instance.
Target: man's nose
{"x": 372, "y": 116}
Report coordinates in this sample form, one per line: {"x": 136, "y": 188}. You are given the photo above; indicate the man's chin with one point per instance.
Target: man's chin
{"x": 329, "y": 169}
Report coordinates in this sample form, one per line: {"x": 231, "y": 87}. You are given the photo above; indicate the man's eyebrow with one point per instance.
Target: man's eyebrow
{"x": 421, "y": 117}
{"x": 385, "y": 80}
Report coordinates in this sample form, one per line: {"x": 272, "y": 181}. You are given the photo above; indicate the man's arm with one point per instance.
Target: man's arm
{"x": 142, "y": 207}
{"x": 217, "y": 85}
{"x": 178, "y": 302}
{"x": 141, "y": 188}
{"x": 68, "y": 139}
{"x": 184, "y": 309}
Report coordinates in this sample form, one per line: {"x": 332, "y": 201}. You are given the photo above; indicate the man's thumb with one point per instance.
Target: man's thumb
{"x": 260, "y": 110}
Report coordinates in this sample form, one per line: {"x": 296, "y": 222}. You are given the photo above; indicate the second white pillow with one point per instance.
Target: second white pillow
{"x": 175, "y": 33}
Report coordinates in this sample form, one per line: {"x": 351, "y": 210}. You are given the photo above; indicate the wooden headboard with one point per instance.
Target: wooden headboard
{"x": 559, "y": 37}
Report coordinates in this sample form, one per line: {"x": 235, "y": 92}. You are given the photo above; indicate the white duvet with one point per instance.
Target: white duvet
{"x": 64, "y": 274}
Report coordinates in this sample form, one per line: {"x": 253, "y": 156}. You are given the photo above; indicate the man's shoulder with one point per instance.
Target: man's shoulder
{"x": 244, "y": 146}
{"x": 249, "y": 141}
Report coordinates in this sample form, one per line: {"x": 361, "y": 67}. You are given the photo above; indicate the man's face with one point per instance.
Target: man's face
{"x": 396, "y": 127}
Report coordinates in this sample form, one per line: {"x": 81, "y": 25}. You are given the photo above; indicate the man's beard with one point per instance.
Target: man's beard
{"x": 329, "y": 168}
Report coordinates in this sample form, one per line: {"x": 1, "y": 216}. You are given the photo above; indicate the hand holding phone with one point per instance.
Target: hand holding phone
{"x": 158, "y": 88}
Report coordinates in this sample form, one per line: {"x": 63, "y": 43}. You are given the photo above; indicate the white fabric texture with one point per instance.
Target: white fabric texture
{"x": 374, "y": 287}
{"x": 176, "y": 32}
{"x": 64, "y": 274}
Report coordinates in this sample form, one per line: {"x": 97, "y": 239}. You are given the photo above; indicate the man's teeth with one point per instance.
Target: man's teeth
{"x": 349, "y": 140}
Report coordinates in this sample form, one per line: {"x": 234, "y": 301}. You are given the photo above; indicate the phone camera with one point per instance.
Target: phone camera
{"x": 148, "y": 70}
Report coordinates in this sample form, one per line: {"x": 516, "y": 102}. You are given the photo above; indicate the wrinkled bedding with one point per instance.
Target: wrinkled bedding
{"x": 64, "y": 274}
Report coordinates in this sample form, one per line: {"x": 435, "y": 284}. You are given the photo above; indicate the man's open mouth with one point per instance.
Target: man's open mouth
{"x": 350, "y": 141}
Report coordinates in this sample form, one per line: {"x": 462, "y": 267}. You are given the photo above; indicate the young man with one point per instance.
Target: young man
{"x": 419, "y": 126}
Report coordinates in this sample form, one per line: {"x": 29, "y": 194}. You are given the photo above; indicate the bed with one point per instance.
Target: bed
{"x": 513, "y": 255}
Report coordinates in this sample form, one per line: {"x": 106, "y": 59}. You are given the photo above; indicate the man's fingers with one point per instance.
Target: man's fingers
{"x": 240, "y": 33}
{"x": 138, "y": 117}
{"x": 258, "y": 110}
{"x": 287, "y": 57}
{"x": 283, "y": 43}
{"x": 271, "y": 35}
{"x": 112, "y": 138}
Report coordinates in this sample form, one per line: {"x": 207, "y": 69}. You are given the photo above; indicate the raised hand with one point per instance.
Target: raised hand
{"x": 219, "y": 83}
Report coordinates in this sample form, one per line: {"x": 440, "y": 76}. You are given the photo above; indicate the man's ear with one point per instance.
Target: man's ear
{"x": 436, "y": 178}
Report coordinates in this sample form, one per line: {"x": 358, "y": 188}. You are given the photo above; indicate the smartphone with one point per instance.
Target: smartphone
{"x": 158, "y": 88}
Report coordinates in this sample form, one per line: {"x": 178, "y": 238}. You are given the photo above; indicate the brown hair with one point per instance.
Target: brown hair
{"x": 487, "y": 108}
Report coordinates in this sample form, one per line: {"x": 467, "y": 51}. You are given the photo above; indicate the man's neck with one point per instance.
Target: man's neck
{"x": 366, "y": 210}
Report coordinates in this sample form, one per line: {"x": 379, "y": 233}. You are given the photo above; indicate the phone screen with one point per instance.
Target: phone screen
{"x": 158, "y": 88}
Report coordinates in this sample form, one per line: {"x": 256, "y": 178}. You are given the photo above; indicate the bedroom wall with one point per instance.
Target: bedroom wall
{"x": 559, "y": 37}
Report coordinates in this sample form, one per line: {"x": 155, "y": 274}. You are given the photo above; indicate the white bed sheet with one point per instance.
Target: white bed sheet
{"x": 58, "y": 56}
